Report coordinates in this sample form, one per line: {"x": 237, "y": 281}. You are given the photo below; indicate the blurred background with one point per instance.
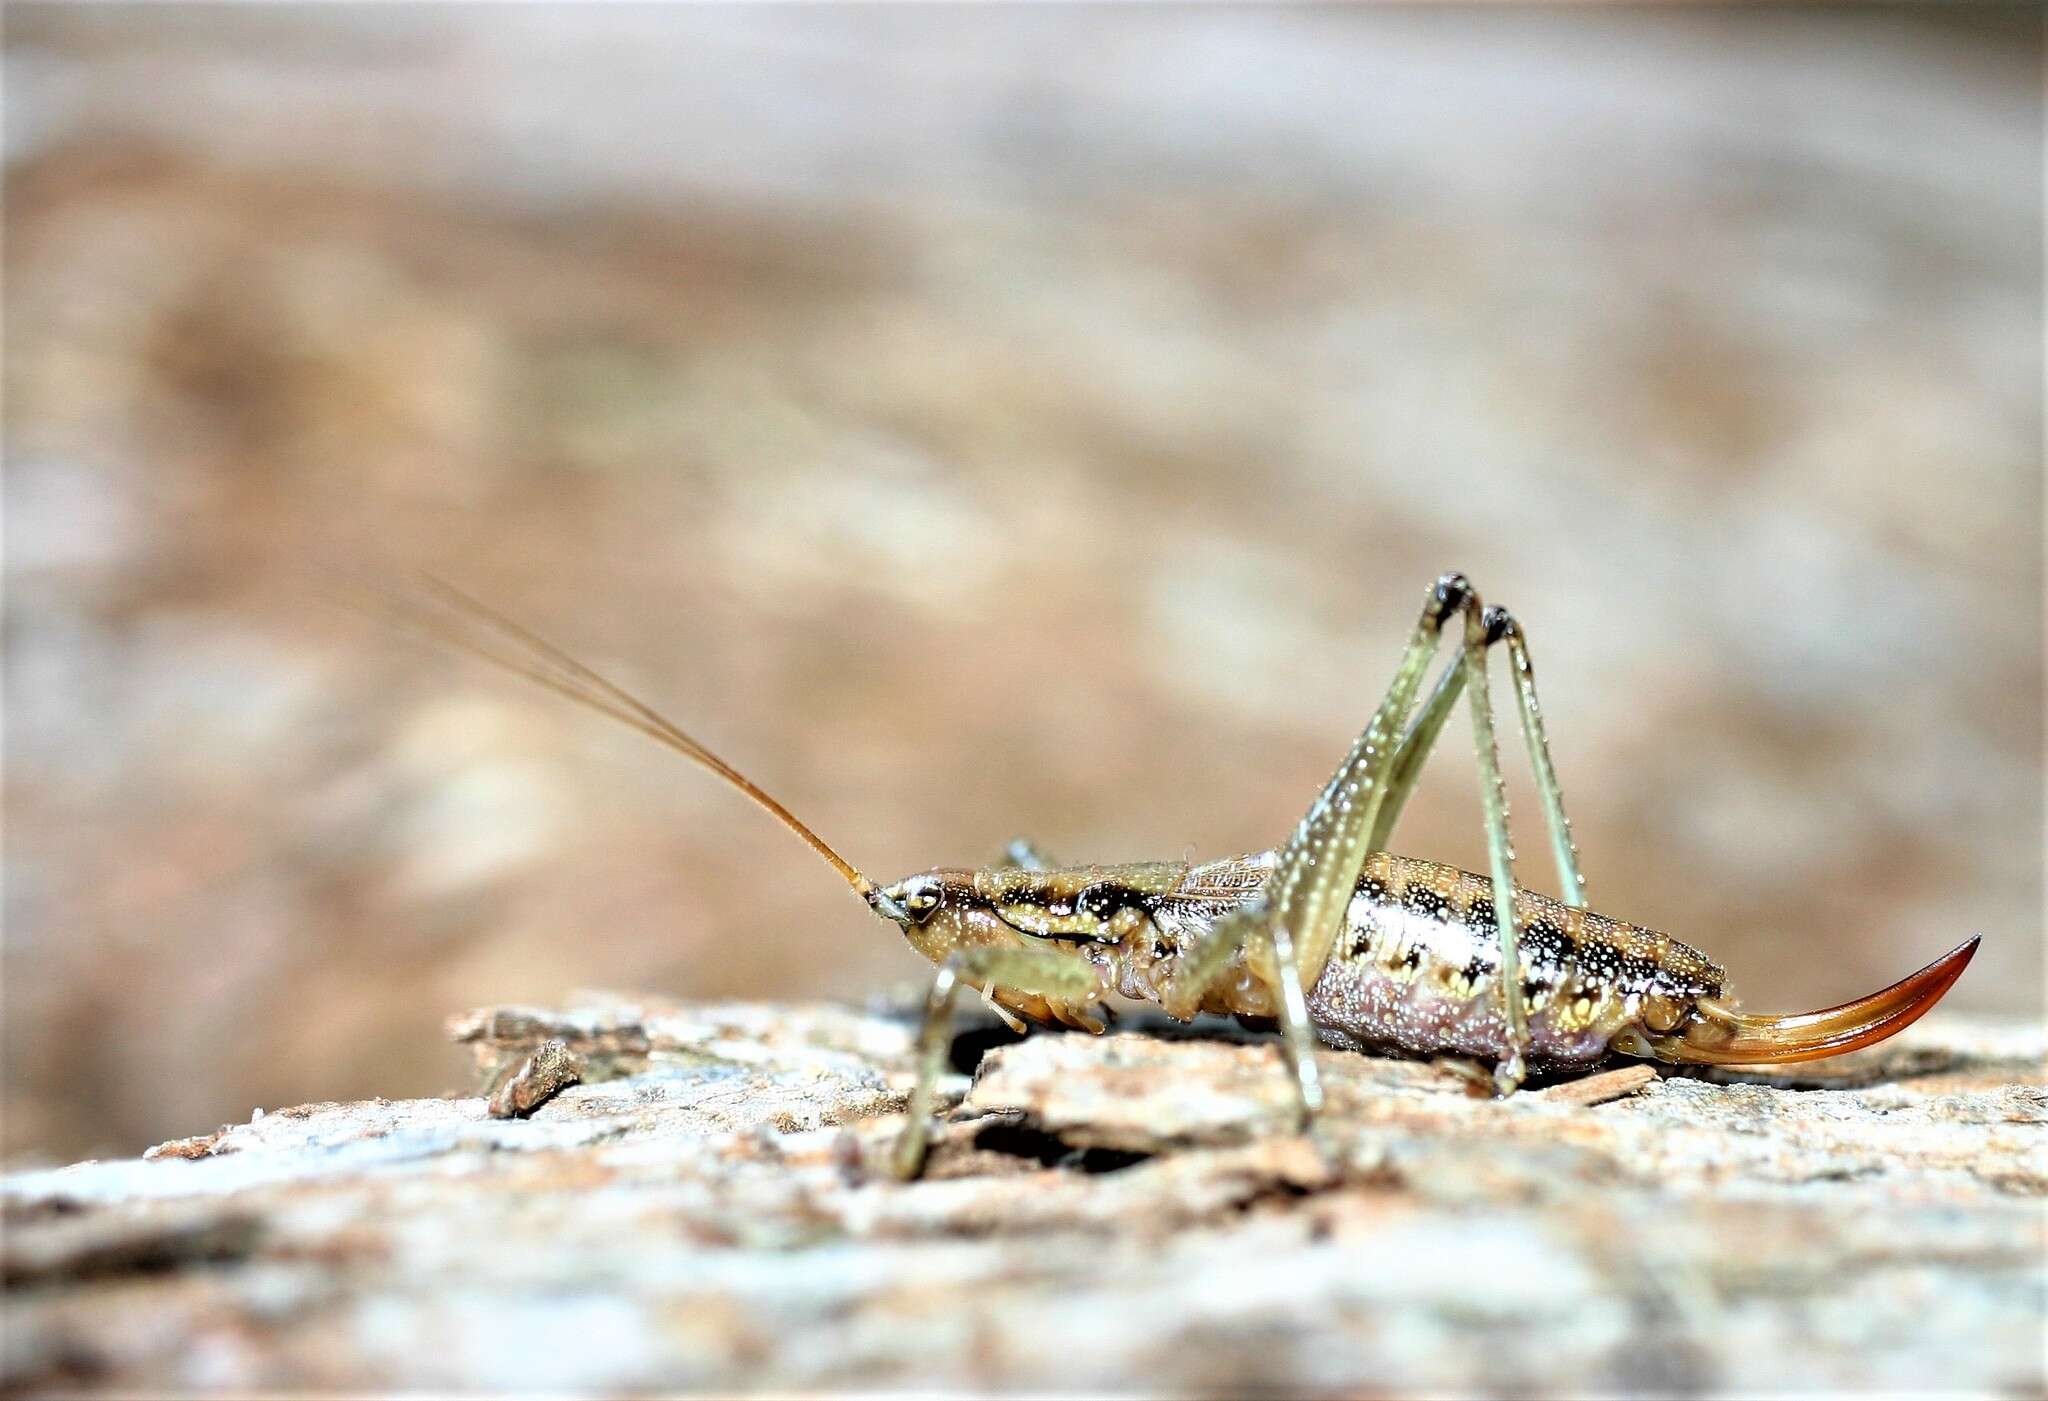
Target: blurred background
{"x": 978, "y": 423}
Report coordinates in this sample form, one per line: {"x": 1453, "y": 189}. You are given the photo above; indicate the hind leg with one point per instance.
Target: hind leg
{"x": 1416, "y": 745}
{"x": 1483, "y": 628}
{"x": 1420, "y": 740}
{"x": 1285, "y": 934}
{"x": 1508, "y": 1072}
{"x": 1562, "y": 848}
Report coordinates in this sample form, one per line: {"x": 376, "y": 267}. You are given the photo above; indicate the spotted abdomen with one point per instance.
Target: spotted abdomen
{"x": 1417, "y": 968}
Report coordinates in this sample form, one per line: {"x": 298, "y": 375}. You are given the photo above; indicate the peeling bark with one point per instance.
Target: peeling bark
{"x": 531, "y": 1080}
{"x": 1124, "y": 1212}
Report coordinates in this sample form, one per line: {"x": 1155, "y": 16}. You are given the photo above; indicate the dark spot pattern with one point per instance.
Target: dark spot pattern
{"x": 1105, "y": 898}
{"x": 1558, "y": 947}
{"x": 1426, "y": 900}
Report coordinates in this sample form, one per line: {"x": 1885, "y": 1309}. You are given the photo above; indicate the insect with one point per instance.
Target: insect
{"x": 1331, "y": 936}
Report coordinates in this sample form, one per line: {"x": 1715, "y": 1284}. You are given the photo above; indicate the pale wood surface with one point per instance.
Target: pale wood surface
{"x": 1102, "y": 1214}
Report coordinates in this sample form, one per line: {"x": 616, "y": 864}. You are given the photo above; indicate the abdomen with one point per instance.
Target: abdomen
{"x": 1417, "y": 968}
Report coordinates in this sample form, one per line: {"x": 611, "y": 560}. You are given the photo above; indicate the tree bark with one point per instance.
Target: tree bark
{"x": 688, "y": 1198}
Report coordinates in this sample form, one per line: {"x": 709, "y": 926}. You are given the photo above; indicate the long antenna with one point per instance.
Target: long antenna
{"x": 449, "y": 615}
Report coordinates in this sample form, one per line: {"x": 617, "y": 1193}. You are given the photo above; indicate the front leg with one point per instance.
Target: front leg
{"x": 1056, "y": 977}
